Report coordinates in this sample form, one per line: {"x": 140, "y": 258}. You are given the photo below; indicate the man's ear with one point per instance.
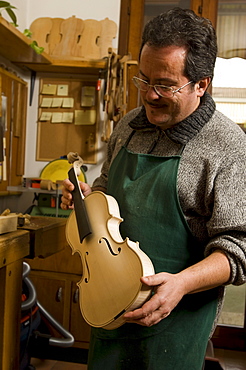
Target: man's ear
{"x": 203, "y": 85}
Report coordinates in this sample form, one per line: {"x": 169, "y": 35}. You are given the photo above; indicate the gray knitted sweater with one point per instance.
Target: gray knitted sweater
{"x": 211, "y": 177}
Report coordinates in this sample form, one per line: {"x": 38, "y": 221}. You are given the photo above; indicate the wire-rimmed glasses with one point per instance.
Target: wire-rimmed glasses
{"x": 161, "y": 90}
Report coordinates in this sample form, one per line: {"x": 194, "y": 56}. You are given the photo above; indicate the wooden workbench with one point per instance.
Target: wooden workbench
{"x": 43, "y": 237}
{"x": 47, "y": 236}
{"x": 14, "y": 246}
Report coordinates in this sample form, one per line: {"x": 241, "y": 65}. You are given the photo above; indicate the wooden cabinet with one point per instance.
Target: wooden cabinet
{"x": 80, "y": 329}
{"x": 55, "y": 279}
{"x": 13, "y": 103}
{"x": 51, "y": 292}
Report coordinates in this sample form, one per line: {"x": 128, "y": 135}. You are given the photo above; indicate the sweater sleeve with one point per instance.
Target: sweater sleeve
{"x": 227, "y": 226}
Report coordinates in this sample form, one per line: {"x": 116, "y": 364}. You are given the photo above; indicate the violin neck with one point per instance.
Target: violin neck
{"x": 82, "y": 218}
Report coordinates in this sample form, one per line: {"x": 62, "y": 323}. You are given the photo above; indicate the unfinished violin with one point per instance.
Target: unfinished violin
{"x": 112, "y": 267}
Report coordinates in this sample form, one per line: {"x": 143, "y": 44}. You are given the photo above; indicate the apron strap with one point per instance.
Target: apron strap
{"x": 181, "y": 150}
{"x": 129, "y": 138}
{"x": 153, "y": 145}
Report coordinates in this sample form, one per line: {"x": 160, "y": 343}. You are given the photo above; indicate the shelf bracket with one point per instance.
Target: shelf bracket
{"x": 33, "y": 79}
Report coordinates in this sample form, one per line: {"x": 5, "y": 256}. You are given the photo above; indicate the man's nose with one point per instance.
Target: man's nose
{"x": 151, "y": 92}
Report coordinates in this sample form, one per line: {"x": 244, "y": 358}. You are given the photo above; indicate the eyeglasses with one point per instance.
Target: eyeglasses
{"x": 161, "y": 90}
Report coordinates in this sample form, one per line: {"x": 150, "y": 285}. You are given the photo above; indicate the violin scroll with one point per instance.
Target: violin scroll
{"x": 76, "y": 161}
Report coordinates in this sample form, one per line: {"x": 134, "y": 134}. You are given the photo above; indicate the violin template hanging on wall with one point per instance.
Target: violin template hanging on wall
{"x": 112, "y": 267}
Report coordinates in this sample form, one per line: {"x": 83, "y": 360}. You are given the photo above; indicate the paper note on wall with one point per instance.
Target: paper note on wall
{"x": 56, "y": 117}
{"x": 85, "y": 117}
{"x": 62, "y": 90}
{"x": 45, "y": 116}
{"x": 88, "y": 96}
{"x": 56, "y": 102}
{"x": 67, "y": 117}
{"x": 46, "y": 102}
{"x": 49, "y": 89}
{"x": 68, "y": 102}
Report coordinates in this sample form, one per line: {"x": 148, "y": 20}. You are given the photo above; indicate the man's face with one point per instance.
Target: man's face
{"x": 165, "y": 66}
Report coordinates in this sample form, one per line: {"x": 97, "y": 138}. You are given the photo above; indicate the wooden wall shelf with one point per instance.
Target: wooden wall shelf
{"x": 67, "y": 66}
{"x": 15, "y": 47}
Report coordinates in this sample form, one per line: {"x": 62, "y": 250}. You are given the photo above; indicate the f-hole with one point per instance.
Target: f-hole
{"x": 87, "y": 279}
{"x": 109, "y": 247}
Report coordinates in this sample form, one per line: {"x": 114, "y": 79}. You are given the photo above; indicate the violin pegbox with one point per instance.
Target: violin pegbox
{"x": 76, "y": 161}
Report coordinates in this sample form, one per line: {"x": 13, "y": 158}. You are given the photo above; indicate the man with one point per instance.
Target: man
{"x": 176, "y": 166}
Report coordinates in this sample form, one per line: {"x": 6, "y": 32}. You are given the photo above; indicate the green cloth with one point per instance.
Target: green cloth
{"x": 145, "y": 187}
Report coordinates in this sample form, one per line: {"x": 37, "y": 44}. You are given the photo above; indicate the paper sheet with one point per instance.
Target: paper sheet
{"x": 49, "y": 89}
{"x": 46, "y": 102}
{"x": 45, "y": 116}
{"x": 62, "y": 90}
{"x": 68, "y": 102}
{"x": 56, "y": 117}
{"x": 85, "y": 117}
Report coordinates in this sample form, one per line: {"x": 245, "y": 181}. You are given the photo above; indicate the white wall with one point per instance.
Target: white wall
{"x": 20, "y": 11}
{"x": 29, "y": 10}
{"x": 84, "y": 9}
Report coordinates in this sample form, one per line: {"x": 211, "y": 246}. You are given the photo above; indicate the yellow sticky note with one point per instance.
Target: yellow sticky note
{"x": 49, "y": 89}
{"x": 85, "y": 117}
{"x": 67, "y": 117}
{"x": 62, "y": 90}
{"x": 46, "y": 102}
{"x": 68, "y": 102}
{"x": 45, "y": 116}
{"x": 88, "y": 96}
{"x": 56, "y": 117}
{"x": 56, "y": 102}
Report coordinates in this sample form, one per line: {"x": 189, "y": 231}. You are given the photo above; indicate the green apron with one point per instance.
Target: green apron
{"x": 145, "y": 187}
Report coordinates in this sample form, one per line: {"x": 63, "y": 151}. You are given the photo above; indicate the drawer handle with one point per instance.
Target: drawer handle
{"x": 76, "y": 296}
{"x": 59, "y": 295}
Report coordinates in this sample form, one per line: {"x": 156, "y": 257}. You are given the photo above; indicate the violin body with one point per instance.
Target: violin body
{"x": 110, "y": 285}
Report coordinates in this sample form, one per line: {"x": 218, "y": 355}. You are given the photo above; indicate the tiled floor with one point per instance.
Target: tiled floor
{"x": 229, "y": 360}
